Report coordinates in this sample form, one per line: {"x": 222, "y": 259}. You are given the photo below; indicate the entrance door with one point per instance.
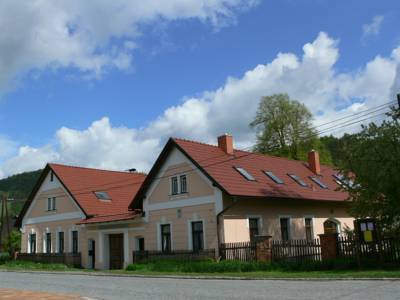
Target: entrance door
{"x": 116, "y": 251}
{"x": 92, "y": 254}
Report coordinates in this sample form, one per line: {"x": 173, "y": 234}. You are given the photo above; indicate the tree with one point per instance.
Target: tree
{"x": 373, "y": 156}
{"x": 284, "y": 129}
{"x": 13, "y": 242}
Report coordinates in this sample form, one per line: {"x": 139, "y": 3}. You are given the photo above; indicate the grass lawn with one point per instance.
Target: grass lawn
{"x": 212, "y": 270}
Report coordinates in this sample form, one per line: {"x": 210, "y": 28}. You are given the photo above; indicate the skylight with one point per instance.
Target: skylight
{"x": 319, "y": 182}
{"x": 245, "y": 174}
{"x": 340, "y": 179}
{"x": 102, "y": 195}
{"x": 273, "y": 177}
{"x": 298, "y": 180}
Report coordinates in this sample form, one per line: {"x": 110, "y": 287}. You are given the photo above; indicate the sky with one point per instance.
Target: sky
{"x": 105, "y": 83}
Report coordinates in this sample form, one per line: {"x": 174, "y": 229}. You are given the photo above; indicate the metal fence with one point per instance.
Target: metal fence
{"x": 145, "y": 256}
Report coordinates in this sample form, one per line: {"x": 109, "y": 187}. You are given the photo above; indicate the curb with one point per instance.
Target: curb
{"x": 104, "y": 274}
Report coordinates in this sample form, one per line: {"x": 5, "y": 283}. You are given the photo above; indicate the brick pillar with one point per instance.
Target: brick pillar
{"x": 264, "y": 248}
{"x": 329, "y": 245}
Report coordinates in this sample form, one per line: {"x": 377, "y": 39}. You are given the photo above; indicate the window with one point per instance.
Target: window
{"x": 330, "y": 227}
{"x": 285, "y": 227}
{"x": 48, "y": 242}
{"x": 273, "y": 177}
{"x": 183, "y": 183}
{"x": 319, "y": 182}
{"x": 140, "y": 244}
{"x": 51, "y": 176}
{"x": 298, "y": 180}
{"x": 166, "y": 238}
{"x": 75, "y": 241}
{"x": 61, "y": 242}
{"x": 174, "y": 185}
{"x": 51, "y": 204}
{"x": 308, "y": 223}
{"x": 254, "y": 228}
{"x": 32, "y": 242}
{"x": 197, "y": 236}
{"x": 342, "y": 180}
{"x": 102, "y": 195}
{"x": 179, "y": 185}
{"x": 245, "y": 174}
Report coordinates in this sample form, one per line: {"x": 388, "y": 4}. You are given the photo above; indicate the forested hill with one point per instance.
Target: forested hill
{"x": 19, "y": 186}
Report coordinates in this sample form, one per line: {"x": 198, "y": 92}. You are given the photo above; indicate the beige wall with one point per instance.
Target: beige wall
{"x": 235, "y": 219}
{"x": 197, "y": 186}
{"x": 64, "y": 204}
{"x": 180, "y": 226}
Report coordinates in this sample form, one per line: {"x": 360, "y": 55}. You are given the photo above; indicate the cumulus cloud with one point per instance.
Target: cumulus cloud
{"x": 374, "y": 27}
{"x": 310, "y": 78}
{"x": 90, "y": 36}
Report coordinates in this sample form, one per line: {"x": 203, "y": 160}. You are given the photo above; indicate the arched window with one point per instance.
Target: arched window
{"x": 331, "y": 226}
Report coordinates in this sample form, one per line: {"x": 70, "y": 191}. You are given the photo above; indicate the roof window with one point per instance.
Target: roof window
{"x": 342, "y": 180}
{"x": 273, "y": 177}
{"x": 102, "y": 195}
{"x": 319, "y": 182}
{"x": 298, "y": 180}
{"x": 245, "y": 174}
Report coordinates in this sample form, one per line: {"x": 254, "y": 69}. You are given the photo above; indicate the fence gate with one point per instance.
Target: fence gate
{"x": 245, "y": 251}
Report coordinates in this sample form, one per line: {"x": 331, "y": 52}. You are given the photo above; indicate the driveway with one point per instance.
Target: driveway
{"x": 109, "y": 287}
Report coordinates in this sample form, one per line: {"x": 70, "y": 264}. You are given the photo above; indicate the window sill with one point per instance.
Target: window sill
{"x": 179, "y": 196}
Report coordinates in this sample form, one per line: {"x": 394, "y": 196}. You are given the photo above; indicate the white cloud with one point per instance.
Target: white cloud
{"x": 374, "y": 27}
{"x": 40, "y": 34}
{"x": 310, "y": 78}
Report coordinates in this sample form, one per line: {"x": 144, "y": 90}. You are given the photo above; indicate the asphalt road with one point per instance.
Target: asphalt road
{"x": 101, "y": 287}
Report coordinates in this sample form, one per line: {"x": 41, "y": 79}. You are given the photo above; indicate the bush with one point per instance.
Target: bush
{"x": 4, "y": 257}
{"x": 28, "y": 265}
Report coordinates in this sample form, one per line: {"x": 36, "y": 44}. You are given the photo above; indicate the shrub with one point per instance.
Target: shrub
{"x": 4, "y": 257}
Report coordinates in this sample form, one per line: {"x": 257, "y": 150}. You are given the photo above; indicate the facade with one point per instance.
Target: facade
{"x": 195, "y": 197}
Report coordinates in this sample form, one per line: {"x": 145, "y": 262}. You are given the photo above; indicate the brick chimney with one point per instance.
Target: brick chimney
{"x": 313, "y": 162}
{"x": 225, "y": 143}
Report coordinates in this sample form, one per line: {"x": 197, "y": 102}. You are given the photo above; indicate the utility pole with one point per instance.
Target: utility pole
{"x": 1, "y": 221}
{"x": 398, "y": 100}
{"x": 4, "y": 219}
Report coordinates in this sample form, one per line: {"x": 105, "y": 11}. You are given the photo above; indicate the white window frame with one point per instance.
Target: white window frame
{"x": 289, "y": 227}
{"x": 45, "y": 241}
{"x": 178, "y": 180}
{"x": 159, "y": 240}
{"x": 190, "y": 233}
{"x": 312, "y": 225}
{"x": 29, "y": 248}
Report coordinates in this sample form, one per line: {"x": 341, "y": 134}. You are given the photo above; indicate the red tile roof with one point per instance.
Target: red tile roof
{"x": 110, "y": 218}
{"x": 83, "y": 182}
{"x": 219, "y": 166}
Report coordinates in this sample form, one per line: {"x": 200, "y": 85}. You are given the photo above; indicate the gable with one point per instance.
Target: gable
{"x": 65, "y": 205}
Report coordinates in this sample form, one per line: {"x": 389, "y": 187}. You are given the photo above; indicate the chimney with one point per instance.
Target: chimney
{"x": 313, "y": 162}
{"x": 225, "y": 143}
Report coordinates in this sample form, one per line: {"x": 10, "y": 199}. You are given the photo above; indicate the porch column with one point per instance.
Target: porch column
{"x": 126, "y": 248}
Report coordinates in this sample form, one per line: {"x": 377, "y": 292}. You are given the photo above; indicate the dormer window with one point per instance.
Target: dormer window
{"x": 179, "y": 184}
{"x": 102, "y": 195}
{"x": 298, "y": 180}
{"x": 245, "y": 174}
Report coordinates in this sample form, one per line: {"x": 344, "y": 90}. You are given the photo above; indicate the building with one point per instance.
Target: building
{"x": 195, "y": 197}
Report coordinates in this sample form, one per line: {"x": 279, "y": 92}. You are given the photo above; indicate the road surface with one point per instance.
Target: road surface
{"x": 109, "y": 287}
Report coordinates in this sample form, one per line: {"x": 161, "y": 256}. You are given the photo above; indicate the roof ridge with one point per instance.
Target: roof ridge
{"x": 255, "y": 153}
{"x": 97, "y": 169}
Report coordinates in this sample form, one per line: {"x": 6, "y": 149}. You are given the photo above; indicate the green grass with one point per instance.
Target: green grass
{"x": 26, "y": 265}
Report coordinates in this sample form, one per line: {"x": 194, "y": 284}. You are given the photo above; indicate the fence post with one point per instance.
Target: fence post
{"x": 264, "y": 248}
{"x": 329, "y": 245}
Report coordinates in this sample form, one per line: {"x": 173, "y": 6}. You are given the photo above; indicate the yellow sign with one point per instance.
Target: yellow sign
{"x": 368, "y": 236}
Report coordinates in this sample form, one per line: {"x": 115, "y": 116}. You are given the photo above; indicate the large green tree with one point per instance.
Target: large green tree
{"x": 371, "y": 162}
{"x": 284, "y": 129}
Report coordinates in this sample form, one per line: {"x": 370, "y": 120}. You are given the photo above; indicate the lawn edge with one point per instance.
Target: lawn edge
{"x": 205, "y": 277}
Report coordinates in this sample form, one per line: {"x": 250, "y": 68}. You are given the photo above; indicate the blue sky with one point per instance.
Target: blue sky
{"x": 107, "y": 89}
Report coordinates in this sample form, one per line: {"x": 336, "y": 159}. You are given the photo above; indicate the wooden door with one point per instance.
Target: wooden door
{"x": 116, "y": 251}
